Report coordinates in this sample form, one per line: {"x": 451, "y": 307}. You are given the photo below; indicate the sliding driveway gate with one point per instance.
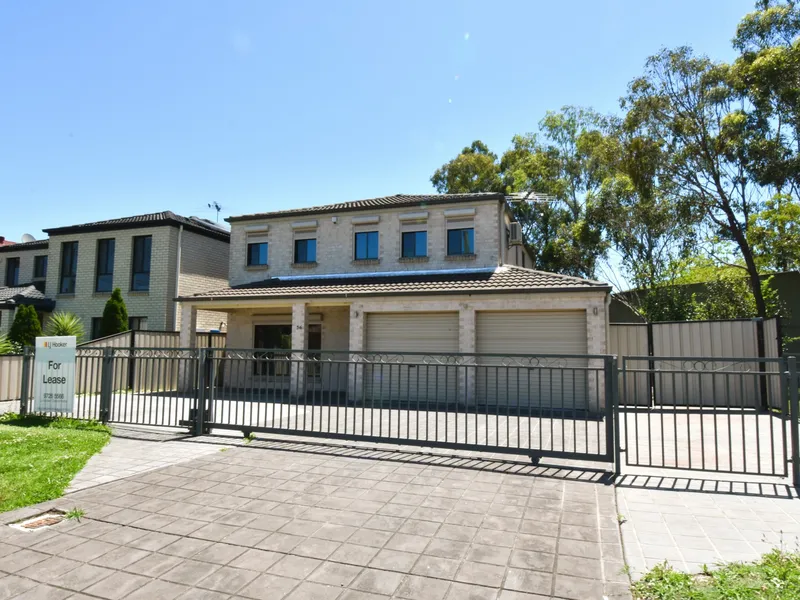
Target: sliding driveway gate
{"x": 730, "y": 415}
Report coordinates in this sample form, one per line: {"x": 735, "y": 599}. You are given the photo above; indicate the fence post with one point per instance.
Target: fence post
{"x": 27, "y": 358}
{"x": 791, "y": 363}
{"x": 106, "y": 384}
{"x": 651, "y": 366}
{"x": 200, "y": 409}
{"x": 762, "y": 367}
{"x": 610, "y": 406}
{"x": 132, "y": 360}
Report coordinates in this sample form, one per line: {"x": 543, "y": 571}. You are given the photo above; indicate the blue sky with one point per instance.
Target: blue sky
{"x": 117, "y": 108}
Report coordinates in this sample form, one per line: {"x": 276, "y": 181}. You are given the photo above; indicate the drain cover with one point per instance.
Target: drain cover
{"x": 47, "y": 519}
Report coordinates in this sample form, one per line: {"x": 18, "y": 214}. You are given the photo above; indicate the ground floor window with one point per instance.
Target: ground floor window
{"x": 97, "y": 323}
{"x": 279, "y": 337}
{"x": 137, "y": 323}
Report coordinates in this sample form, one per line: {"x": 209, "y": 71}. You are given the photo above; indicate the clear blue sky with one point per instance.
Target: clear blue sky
{"x": 117, "y": 108}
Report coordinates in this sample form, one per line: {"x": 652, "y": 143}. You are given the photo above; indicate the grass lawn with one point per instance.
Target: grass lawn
{"x": 776, "y": 576}
{"x": 39, "y": 456}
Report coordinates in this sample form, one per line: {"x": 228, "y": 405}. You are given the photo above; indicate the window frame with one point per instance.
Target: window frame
{"x": 415, "y": 245}
{"x": 462, "y": 252}
{"x": 305, "y": 241}
{"x": 68, "y": 271}
{"x": 377, "y": 242}
{"x": 96, "y": 324}
{"x": 37, "y": 260}
{"x": 266, "y": 254}
{"x": 104, "y": 243}
{"x": 147, "y": 240}
{"x": 15, "y": 262}
{"x": 139, "y": 321}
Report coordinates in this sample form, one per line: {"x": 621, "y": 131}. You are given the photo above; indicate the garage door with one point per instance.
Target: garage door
{"x": 528, "y": 383}
{"x": 404, "y": 377}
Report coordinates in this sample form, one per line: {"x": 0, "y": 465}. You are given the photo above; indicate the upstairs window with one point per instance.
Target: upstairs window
{"x": 415, "y": 244}
{"x": 12, "y": 272}
{"x": 140, "y": 276}
{"x": 40, "y": 267}
{"x": 257, "y": 254}
{"x": 305, "y": 251}
{"x": 69, "y": 268}
{"x": 460, "y": 242}
{"x": 104, "y": 277}
{"x": 366, "y": 245}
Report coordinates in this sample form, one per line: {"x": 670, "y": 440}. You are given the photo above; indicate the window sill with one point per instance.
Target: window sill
{"x": 366, "y": 261}
{"x": 256, "y": 267}
{"x": 65, "y": 295}
{"x": 139, "y": 293}
{"x": 305, "y": 265}
{"x": 414, "y": 259}
{"x": 460, "y": 257}
{"x": 101, "y": 294}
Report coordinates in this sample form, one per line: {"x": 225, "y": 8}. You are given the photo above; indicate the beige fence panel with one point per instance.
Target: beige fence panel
{"x": 708, "y": 340}
{"x": 210, "y": 340}
{"x": 10, "y": 378}
{"x": 630, "y": 339}
{"x": 88, "y": 369}
{"x": 772, "y": 349}
{"x": 157, "y": 339}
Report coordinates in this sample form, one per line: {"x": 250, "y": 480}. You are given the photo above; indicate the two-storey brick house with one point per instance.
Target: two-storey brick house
{"x": 438, "y": 274}
{"x": 152, "y": 258}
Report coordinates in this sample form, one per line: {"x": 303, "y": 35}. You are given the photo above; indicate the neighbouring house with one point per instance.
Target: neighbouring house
{"x": 438, "y": 274}
{"x": 152, "y": 258}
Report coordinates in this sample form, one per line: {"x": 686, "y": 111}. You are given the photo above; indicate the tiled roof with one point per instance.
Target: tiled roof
{"x": 396, "y": 201}
{"x": 25, "y": 294}
{"x": 38, "y": 244}
{"x": 166, "y": 217}
{"x": 505, "y": 279}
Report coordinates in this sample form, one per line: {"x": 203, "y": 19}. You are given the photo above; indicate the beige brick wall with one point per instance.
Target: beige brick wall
{"x": 204, "y": 267}
{"x": 156, "y": 304}
{"x": 335, "y": 243}
{"x": 25, "y": 264}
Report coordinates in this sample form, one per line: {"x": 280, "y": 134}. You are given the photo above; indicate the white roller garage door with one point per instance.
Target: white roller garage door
{"x": 547, "y": 382}
{"x": 410, "y": 377}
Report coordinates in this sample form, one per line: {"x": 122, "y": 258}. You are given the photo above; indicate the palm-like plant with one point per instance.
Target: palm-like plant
{"x": 8, "y": 347}
{"x": 65, "y": 323}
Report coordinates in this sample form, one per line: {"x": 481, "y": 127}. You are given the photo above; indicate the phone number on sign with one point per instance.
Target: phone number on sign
{"x": 52, "y": 396}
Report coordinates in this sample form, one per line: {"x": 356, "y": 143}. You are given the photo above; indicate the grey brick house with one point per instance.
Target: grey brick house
{"x": 152, "y": 258}
{"x": 438, "y": 274}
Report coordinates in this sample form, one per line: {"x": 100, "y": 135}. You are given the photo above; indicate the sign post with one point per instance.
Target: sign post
{"x": 54, "y": 374}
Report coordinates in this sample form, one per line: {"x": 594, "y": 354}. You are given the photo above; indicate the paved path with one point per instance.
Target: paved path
{"x": 132, "y": 451}
{"x": 318, "y": 522}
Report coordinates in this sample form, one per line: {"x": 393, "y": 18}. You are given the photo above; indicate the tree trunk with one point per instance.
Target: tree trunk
{"x": 752, "y": 270}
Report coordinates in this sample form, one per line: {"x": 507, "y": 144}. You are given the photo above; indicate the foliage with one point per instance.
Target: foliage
{"x": 474, "y": 170}
{"x": 26, "y": 326}
{"x": 65, "y": 324}
{"x": 9, "y": 347}
{"x": 729, "y": 296}
{"x": 115, "y": 315}
{"x": 775, "y": 232}
{"x": 776, "y": 576}
{"x": 39, "y": 456}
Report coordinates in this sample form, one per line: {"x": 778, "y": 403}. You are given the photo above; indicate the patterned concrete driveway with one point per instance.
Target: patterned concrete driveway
{"x": 315, "y": 522}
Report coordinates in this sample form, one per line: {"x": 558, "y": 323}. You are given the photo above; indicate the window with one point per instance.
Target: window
{"x": 257, "y": 254}
{"x": 12, "y": 272}
{"x": 366, "y": 245}
{"x": 460, "y": 241}
{"x": 305, "y": 251}
{"x": 104, "y": 278}
{"x": 97, "y": 323}
{"x": 40, "y": 267}
{"x": 272, "y": 337}
{"x": 137, "y": 323}
{"x": 415, "y": 244}
{"x": 140, "y": 277}
{"x": 69, "y": 267}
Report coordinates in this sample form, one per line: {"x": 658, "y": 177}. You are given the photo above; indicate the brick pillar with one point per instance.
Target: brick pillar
{"x": 596, "y": 321}
{"x": 466, "y": 344}
{"x": 186, "y": 370}
{"x": 355, "y": 371}
{"x": 297, "y": 382}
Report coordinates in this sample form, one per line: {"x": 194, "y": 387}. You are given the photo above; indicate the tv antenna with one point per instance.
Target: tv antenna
{"x": 217, "y": 207}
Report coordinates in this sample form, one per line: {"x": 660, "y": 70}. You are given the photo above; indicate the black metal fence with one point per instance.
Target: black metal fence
{"x": 567, "y": 406}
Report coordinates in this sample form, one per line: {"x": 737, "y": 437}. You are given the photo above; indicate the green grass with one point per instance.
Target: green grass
{"x": 776, "y": 576}
{"x": 39, "y": 456}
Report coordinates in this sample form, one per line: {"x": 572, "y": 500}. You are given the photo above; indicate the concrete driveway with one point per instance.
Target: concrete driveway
{"x": 323, "y": 523}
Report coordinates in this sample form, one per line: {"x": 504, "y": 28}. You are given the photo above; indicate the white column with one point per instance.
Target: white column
{"x": 466, "y": 345}
{"x": 355, "y": 372}
{"x": 297, "y": 382}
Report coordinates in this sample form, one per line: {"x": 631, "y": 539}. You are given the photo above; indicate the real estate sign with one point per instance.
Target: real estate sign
{"x": 54, "y": 374}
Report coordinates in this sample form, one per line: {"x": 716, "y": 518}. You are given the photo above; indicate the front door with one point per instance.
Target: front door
{"x": 272, "y": 338}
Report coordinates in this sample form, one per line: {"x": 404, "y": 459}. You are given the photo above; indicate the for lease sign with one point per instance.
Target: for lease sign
{"x": 54, "y": 374}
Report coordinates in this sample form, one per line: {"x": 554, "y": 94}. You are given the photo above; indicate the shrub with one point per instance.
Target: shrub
{"x": 115, "y": 315}
{"x": 26, "y": 327}
{"x": 9, "y": 347}
{"x": 65, "y": 323}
